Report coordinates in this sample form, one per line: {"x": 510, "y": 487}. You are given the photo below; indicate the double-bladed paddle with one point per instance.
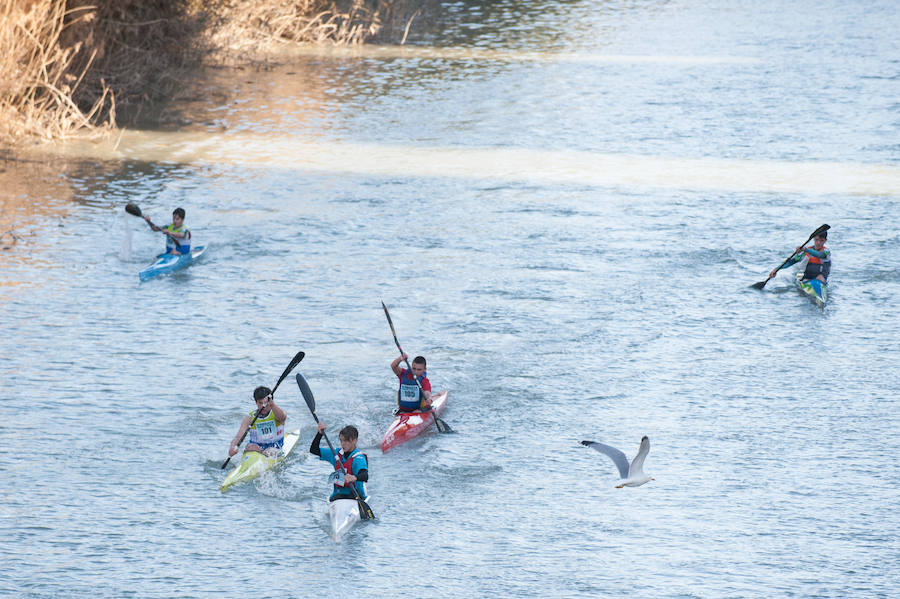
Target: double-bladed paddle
{"x": 133, "y": 209}
{"x": 815, "y": 233}
{"x": 441, "y": 426}
{"x": 287, "y": 371}
{"x": 365, "y": 512}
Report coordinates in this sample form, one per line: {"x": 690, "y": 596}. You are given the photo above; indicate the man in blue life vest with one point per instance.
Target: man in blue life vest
{"x": 266, "y": 424}
{"x": 818, "y": 265}
{"x": 354, "y": 462}
{"x": 177, "y": 230}
{"x": 410, "y": 397}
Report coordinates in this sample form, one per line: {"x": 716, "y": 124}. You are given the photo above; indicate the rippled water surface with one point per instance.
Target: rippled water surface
{"x": 564, "y": 205}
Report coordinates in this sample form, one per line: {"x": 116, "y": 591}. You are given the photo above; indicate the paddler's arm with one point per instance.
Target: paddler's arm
{"x": 235, "y": 443}
{"x": 426, "y": 391}
{"x": 361, "y": 468}
{"x": 361, "y": 476}
{"x": 152, "y": 226}
{"x": 797, "y": 257}
{"x": 816, "y": 253}
{"x": 324, "y": 454}
{"x": 395, "y": 365}
{"x": 314, "y": 446}
{"x": 280, "y": 414}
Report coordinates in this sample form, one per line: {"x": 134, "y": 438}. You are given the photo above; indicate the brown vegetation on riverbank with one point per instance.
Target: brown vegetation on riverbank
{"x": 69, "y": 67}
{"x": 39, "y": 75}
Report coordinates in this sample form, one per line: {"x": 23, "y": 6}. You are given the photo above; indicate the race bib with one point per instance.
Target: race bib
{"x": 265, "y": 431}
{"x": 409, "y": 393}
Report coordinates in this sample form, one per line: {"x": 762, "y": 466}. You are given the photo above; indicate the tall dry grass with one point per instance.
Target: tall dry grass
{"x": 38, "y": 75}
{"x": 246, "y": 27}
{"x": 73, "y": 66}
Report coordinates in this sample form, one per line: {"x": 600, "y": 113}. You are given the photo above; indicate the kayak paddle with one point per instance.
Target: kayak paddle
{"x": 441, "y": 426}
{"x": 818, "y": 231}
{"x": 287, "y": 371}
{"x": 365, "y": 512}
{"x": 131, "y": 208}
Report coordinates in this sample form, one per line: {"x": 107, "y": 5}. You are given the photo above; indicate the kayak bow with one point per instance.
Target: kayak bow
{"x": 343, "y": 514}
{"x": 254, "y": 463}
{"x": 816, "y": 291}
{"x": 408, "y": 425}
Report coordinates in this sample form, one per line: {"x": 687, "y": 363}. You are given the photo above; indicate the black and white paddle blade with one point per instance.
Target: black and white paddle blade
{"x": 442, "y": 427}
{"x": 133, "y": 209}
{"x": 617, "y": 456}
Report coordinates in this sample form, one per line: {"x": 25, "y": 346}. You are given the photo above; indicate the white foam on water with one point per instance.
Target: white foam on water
{"x": 125, "y": 238}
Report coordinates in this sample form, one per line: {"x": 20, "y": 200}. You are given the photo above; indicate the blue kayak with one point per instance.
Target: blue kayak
{"x": 166, "y": 263}
{"x": 817, "y": 291}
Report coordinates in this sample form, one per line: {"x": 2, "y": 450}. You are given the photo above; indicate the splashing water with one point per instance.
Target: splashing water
{"x": 125, "y": 242}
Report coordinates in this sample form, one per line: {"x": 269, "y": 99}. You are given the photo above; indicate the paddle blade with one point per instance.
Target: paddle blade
{"x": 760, "y": 285}
{"x": 296, "y": 360}
{"x": 442, "y": 427}
{"x": 390, "y": 322}
{"x": 820, "y": 230}
{"x": 132, "y": 209}
{"x": 307, "y": 393}
{"x": 365, "y": 512}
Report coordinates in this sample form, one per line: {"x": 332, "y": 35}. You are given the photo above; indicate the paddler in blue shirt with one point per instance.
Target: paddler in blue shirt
{"x": 266, "y": 424}
{"x": 177, "y": 230}
{"x": 818, "y": 265}
{"x": 354, "y": 462}
{"x": 409, "y": 397}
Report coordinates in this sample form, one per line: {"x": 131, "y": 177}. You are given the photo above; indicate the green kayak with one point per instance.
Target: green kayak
{"x": 254, "y": 463}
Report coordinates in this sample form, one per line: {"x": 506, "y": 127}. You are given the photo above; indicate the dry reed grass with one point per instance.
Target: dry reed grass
{"x": 39, "y": 76}
{"x": 70, "y": 67}
{"x": 250, "y": 30}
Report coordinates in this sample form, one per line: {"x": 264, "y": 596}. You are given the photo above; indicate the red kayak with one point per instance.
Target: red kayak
{"x": 410, "y": 424}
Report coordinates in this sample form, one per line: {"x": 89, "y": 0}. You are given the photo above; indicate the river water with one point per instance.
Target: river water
{"x": 564, "y": 205}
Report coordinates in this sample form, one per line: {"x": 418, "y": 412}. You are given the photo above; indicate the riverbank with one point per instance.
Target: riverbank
{"x": 74, "y": 68}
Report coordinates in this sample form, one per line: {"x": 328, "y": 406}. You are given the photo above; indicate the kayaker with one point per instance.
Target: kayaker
{"x": 354, "y": 462}
{"x": 174, "y": 229}
{"x": 409, "y": 397}
{"x": 267, "y": 432}
{"x": 818, "y": 266}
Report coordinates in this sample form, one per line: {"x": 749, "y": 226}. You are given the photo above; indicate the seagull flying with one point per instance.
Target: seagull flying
{"x": 633, "y": 474}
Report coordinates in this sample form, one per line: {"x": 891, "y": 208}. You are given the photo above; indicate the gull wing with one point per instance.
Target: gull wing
{"x": 617, "y": 456}
{"x": 637, "y": 464}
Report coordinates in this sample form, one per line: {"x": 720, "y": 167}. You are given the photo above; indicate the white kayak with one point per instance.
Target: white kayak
{"x": 343, "y": 514}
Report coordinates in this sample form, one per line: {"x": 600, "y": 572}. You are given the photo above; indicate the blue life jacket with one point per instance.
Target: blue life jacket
{"x": 409, "y": 395}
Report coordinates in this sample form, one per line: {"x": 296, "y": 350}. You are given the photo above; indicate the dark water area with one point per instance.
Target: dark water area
{"x": 564, "y": 205}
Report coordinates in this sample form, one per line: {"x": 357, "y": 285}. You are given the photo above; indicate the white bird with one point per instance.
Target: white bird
{"x": 634, "y": 473}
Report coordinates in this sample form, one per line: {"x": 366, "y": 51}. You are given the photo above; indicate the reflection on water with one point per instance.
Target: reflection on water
{"x": 491, "y": 54}
{"x": 497, "y": 164}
